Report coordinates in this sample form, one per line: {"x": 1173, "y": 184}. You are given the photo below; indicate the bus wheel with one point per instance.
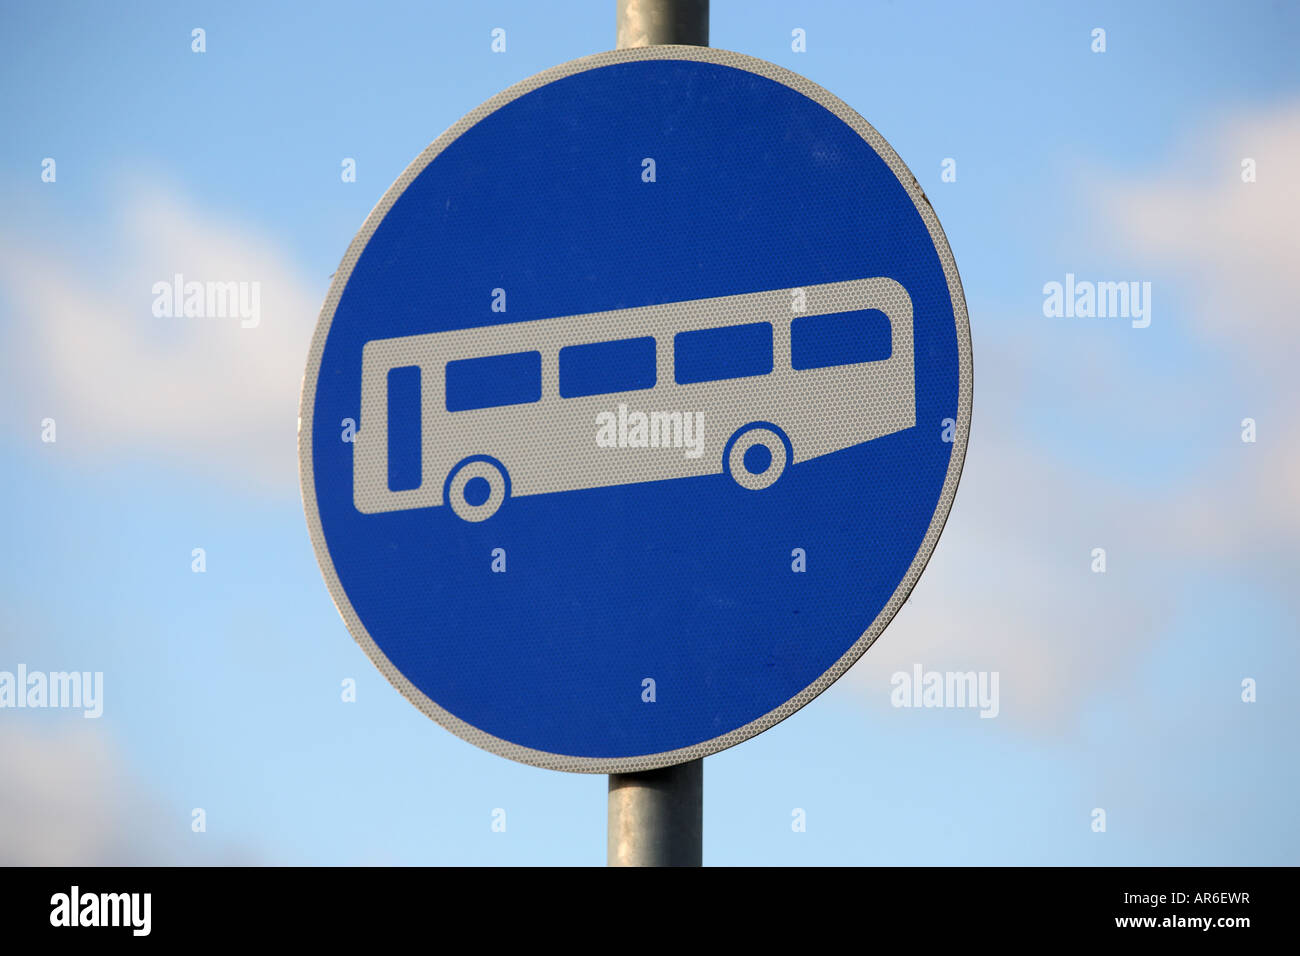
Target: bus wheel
{"x": 757, "y": 455}
{"x": 477, "y": 487}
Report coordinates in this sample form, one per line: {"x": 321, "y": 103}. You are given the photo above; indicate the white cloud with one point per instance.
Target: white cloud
{"x": 1232, "y": 242}
{"x": 87, "y": 350}
{"x": 65, "y": 800}
{"x": 1232, "y": 246}
{"x": 1010, "y": 587}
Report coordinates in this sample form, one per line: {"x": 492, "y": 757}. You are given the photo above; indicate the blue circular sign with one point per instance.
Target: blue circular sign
{"x": 635, "y": 409}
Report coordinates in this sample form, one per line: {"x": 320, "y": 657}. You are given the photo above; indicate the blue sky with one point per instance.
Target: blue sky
{"x": 1120, "y": 691}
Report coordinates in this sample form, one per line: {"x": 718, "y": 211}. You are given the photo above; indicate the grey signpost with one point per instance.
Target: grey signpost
{"x": 656, "y": 817}
{"x": 666, "y": 600}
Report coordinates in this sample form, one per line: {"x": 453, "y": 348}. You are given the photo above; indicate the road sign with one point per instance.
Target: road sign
{"x": 635, "y": 409}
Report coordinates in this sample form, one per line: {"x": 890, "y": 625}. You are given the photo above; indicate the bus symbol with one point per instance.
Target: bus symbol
{"x": 472, "y": 417}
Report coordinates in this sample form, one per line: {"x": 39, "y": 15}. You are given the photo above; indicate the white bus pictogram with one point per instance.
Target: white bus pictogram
{"x": 777, "y": 378}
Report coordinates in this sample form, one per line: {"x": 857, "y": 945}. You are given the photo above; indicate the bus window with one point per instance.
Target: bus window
{"x": 404, "y": 423}
{"x": 734, "y": 351}
{"x": 514, "y": 379}
{"x": 845, "y": 338}
{"x": 624, "y": 365}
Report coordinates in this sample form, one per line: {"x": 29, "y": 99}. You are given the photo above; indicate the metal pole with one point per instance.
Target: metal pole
{"x": 658, "y": 22}
{"x": 656, "y": 817}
